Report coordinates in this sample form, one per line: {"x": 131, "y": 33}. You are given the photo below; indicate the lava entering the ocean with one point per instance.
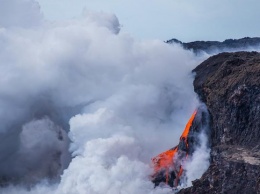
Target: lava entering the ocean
{"x": 168, "y": 165}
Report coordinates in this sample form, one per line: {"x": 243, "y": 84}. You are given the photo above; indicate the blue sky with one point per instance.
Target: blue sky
{"x": 186, "y": 20}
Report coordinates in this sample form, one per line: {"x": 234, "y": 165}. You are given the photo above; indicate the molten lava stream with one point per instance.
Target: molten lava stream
{"x": 168, "y": 165}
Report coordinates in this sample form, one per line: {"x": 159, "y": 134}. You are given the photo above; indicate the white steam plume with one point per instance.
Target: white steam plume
{"x": 199, "y": 161}
{"x": 125, "y": 102}
{"x": 20, "y": 13}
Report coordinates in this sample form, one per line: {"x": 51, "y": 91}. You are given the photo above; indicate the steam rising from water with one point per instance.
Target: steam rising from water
{"x": 120, "y": 101}
{"x": 198, "y": 162}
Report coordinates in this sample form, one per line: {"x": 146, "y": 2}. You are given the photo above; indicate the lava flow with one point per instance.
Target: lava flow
{"x": 168, "y": 165}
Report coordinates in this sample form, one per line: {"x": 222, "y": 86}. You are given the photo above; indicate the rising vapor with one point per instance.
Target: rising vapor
{"x": 84, "y": 107}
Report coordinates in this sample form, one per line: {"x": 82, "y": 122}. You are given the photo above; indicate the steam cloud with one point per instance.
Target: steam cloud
{"x": 198, "y": 162}
{"x": 114, "y": 101}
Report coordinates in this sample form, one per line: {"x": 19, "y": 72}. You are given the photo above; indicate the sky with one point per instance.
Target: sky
{"x": 186, "y": 20}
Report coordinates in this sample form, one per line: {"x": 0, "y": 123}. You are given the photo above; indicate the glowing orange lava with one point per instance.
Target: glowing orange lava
{"x": 165, "y": 161}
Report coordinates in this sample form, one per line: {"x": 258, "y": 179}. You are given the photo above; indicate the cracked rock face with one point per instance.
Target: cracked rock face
{"x": 229, "y": 85}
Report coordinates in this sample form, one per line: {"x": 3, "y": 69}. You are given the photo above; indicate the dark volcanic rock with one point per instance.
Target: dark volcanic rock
{"x": 229, "y": 84}
{"x": 213, "y": 46}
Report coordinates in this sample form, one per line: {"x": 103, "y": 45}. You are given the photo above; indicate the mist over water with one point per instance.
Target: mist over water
{"x": 83, "y": 107}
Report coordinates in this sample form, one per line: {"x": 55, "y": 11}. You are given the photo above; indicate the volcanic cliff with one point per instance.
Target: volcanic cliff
{"x": 212, "y": 47}
{"x": 229, "y": 85}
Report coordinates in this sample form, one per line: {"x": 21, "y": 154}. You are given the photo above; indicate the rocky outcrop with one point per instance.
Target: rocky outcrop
{"x": 216, "y": 46}
{"x": 229, "y": 85}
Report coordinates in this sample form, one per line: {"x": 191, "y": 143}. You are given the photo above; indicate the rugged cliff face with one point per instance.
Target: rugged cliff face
{"x": 229, "y": 85}
{"x": 216, "y": 46}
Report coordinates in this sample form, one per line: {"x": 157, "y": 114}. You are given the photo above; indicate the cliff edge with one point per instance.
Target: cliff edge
{"x": 212, "y": 47}
{"x": 229, "y": 85}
